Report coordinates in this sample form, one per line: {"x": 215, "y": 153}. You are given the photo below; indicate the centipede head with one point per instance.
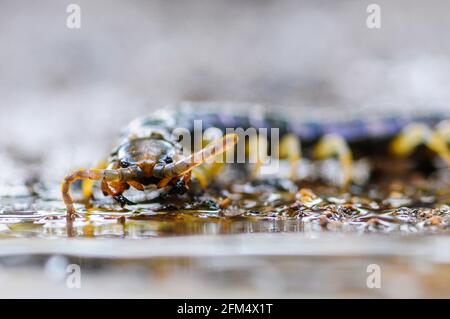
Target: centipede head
{"x": 143, "y": 162}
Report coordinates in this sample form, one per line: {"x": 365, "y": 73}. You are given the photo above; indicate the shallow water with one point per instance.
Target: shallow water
{"x": 265, "y": 206}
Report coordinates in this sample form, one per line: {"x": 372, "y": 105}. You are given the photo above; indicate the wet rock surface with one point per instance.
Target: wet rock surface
{"x": 36, "y": 210}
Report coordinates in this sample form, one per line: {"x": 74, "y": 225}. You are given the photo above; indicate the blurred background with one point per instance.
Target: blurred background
{"x": 65, "y": 93}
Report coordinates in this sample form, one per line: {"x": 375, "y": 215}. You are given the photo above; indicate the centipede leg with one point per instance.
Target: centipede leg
{"x": 122, "y": 200}
{"x": 438, "y": 144}
{"x": 443, "y": 128}
{"x": 416, "y": 134}
{"x": 115, "y": 189}
{"x": 200, "y": 175}
{"x": 443, "y": 131}
{"x": 180, "y": 186}
{"x": 335, "y": 145}
{"x": 409, "y": 139}
{"x": 290, "y": 148}
{"x": 257, "y": 152}
{"x": 209, "y": 170}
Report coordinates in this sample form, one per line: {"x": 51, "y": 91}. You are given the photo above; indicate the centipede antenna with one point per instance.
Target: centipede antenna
{"x": 290, "y": 147}
{"x": 187, "y": 164}
{"x": 123, "y": 174}
{"x": 331, "y": 145}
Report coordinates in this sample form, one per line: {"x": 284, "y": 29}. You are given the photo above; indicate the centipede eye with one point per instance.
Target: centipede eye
{"x": 166, "y": 159}
{"x": 124, "y": 163}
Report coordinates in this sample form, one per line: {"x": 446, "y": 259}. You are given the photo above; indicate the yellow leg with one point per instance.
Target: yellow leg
{"x": 438, "y": 144}
{"x": 290, "y": 148}
{"x": 257, "y": 152}
{"x": 335, "y": 145}
{"x": 443, "y": 131}
{"x": 87, "y": 188}
{"x": 208, "y": 171}
{"x": 200, "y": 175}
{"x": 443, "y": 128}
{"x": 214, "y": 168}
{"x": 409, "y": 139}
{"x": 417, "y": 134}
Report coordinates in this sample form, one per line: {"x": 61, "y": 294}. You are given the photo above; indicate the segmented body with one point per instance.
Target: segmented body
{"x": 363, "y": 134}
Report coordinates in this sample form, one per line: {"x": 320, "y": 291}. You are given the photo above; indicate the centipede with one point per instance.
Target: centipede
{"x": 148, "y": 153}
